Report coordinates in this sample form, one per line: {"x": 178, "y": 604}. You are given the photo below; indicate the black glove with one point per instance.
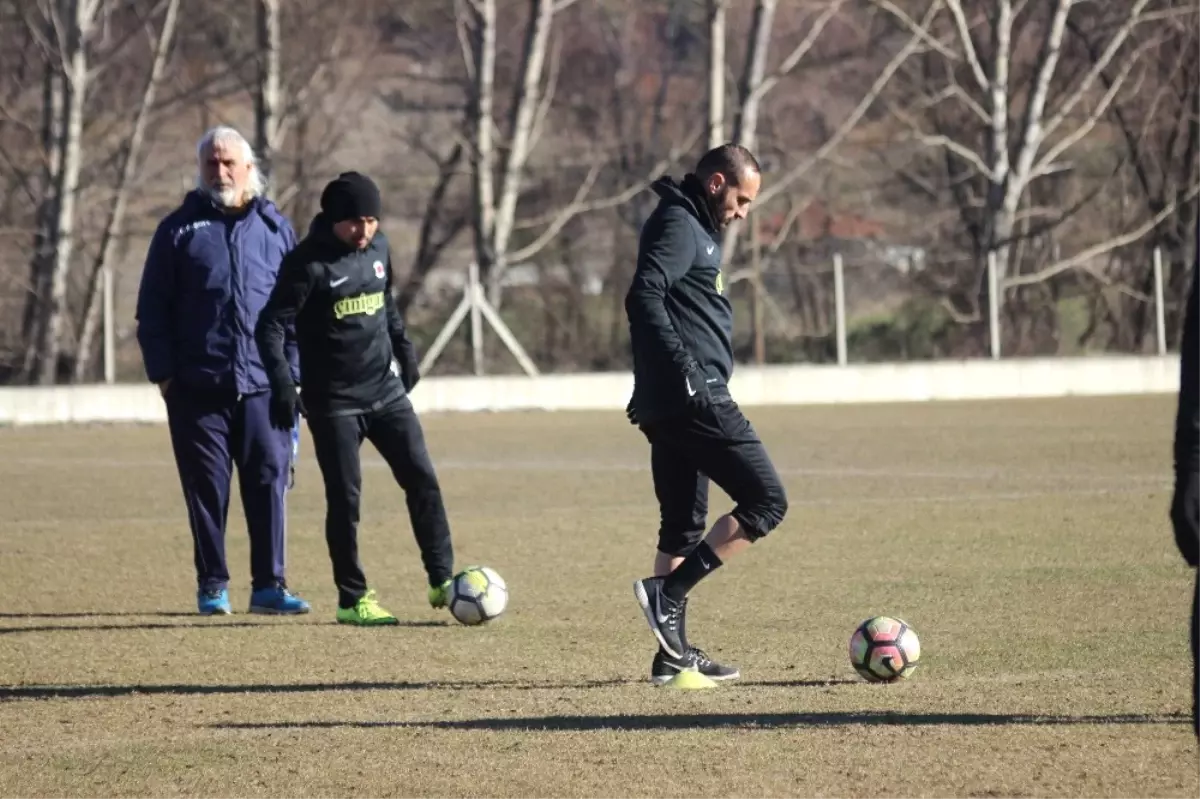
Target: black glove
{"x": 406, "y": 357}
{"x": 1185, "y": 515}
{"x": 631, "y": 413}
{"x": 410, "y": 374}
{"x": 697, "y": 396}
{"x": 285, "y": 403}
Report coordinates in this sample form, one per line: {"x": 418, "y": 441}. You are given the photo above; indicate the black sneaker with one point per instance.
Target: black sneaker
{"x": 665, "y": 667}
{"x": 711, "y": 668}
{"x": 664, "y": 615}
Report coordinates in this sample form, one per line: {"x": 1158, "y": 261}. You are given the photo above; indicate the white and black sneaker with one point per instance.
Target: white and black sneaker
{"x": 665, "y": 667}
{"x": 664, "y": 614}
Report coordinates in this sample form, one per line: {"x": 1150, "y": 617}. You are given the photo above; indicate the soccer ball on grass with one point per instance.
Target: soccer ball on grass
{"x": 884, "y": 649}
{"x": 477, "y": 595}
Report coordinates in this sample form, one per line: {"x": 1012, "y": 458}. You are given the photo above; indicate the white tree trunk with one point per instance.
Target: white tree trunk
{"x": 482, "y": 63}
{"x": 116, "y": 217}
{"x": 756, "y": 84}
{"x": 746, "y": 130}
{"x": 78, "y": 25}
{"x": 267, "y": 100}
{"x": 716, "y": 72}
{"x": 42, "y": 262}
{"x": 533, "y": 58}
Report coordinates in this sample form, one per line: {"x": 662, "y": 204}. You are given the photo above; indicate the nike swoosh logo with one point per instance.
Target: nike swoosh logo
{"x": 335, "y": 283}
{"x": 658, "y": 614}
{"x": 710, "y": 248}
{"x": 688, "y": 382}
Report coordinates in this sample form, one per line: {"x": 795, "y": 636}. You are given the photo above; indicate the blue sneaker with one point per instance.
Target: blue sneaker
{"x": 277, "y": 600}
{"x": 213, "y": 602}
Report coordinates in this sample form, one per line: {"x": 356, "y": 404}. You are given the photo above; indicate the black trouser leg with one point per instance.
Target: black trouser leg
{"x": 396, "y": 432}
{"x": 720, "y": 443}
{"x": 1196, "y": 658}
{"x": 336, "y": 441}
{"x": 682, "y": 493}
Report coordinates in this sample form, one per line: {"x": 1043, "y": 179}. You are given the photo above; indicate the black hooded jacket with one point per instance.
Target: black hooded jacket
{"x": 680, "y": 322}
{"x": 355, "y": 355}
{"x": 1187, "y": 417}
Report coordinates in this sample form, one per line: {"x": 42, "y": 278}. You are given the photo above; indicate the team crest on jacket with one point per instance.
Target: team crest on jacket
{"x": 379, "y": 269}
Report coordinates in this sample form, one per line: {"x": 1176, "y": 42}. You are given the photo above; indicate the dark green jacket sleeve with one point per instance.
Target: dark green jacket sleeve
{"x": 1187, "y": 419}
{"x": 666, "y": 253}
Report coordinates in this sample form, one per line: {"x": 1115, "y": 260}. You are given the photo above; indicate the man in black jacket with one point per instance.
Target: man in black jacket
{"x": 681, "y": 331}
{"x": 1185, "y": 501}
{"x": 357, "y": 366}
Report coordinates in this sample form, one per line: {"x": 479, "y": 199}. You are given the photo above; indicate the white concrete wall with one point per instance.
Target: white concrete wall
{"x": 771, "y": 385}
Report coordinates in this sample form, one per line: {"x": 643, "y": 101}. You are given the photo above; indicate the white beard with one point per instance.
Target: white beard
{"x": 226, "y": 198}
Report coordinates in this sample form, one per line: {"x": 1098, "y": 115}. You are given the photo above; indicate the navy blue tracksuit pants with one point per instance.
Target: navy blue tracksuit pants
{"x": 210, "y": 434}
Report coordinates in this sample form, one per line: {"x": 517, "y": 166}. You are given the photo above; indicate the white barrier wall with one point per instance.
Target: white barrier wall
{"x": 799, "y": 384}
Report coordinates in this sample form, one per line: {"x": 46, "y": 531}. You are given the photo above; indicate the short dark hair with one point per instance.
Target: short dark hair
{"x": 730, "y": 159}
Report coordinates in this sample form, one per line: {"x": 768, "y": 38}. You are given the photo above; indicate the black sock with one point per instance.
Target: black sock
{"x": 695, "y": 567}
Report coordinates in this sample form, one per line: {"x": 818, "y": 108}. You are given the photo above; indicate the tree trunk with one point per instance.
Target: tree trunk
{"x": 41, "y": 264}
{"x": 483, "y": 157}
{"x": 116, "y": 217}
{"x": 52, "y": 328}
{"x": 716, "y": 72}
{"x": 266, "y": 109}
{"x": 533, "y": 57}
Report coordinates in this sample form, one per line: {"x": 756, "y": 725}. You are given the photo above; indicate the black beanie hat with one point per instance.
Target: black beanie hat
{"x": 351, "y": 195}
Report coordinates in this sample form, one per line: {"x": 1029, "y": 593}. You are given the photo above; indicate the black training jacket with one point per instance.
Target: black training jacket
{"x": 680, "y": 322}
{"x": 355, "y": 355}
{"x": 1187, "y": 419}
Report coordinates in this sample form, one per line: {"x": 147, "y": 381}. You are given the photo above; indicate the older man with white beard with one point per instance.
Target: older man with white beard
{"x": 211, "y": 266}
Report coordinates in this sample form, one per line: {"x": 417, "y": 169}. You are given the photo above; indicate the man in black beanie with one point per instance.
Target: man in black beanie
{"x": 357, "y": 367}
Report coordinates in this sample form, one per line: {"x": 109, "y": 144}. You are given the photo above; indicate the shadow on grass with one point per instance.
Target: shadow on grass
{"x": 202, "y": 623}
{"x": 199, "y": 623}
{"x": 11, "y": 692}
{"x": 103, "y": 615}
{"x": 722, "y": 721}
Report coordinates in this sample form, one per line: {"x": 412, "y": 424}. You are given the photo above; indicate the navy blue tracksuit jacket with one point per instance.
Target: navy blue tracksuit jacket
{"x": 207, "y": 275}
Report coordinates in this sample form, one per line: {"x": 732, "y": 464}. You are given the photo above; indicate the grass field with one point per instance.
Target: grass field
{"x": 1026, "y": 542}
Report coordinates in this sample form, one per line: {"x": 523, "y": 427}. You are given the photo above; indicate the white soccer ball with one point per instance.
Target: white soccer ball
{"x": 477, "y": 595}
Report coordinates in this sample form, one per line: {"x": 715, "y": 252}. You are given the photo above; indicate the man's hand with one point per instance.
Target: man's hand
{"x": 631, "y": 413}
{"x": 410, "y": 375}
{"x": 285, "y": 403}
{"x": 1185, "y": 515}
{"x": 164, "y": 387}
{"x": 697, "y": 394}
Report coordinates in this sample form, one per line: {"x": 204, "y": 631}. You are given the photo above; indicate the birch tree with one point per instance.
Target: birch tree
{"x": 499, "y": 166}
{"x": 717, "y": 24}
{"x": 73, "y": 28}
{"x": 116, "y": 217}
{"x": 267, "y": 90}
{"x": 757, "y": 83}
{"x": 998, "y": 121}
{"x": 41, "y": 266}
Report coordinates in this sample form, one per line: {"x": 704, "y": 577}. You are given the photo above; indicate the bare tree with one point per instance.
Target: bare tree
{"x": 717, "y": 24}
{"x": 495, "y": 204}
{"x": 266, "y": 97}
{"x": 998, "y": 121}
{"x": 72, "y": 29}
{"x": 116, "y": 217}
{"x": 756, "y": 83}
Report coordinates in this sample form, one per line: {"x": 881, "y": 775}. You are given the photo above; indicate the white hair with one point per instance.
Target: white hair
{"x": 223, "y": 134}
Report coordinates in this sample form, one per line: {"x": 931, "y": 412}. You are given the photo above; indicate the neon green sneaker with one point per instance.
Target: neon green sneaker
{"x": 367, "y": 612}
{"x": 439, "y": 595}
